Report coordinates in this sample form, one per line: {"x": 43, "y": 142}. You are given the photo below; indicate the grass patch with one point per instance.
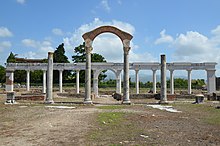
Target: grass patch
{"x": 208, "y": 114}
{"x": 113, "y": 128}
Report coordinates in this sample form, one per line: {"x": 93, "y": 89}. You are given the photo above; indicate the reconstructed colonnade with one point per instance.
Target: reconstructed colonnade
{"x": 116, "y": 68}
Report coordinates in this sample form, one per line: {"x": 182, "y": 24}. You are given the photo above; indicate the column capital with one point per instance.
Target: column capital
{"x": 171, "y": 70}
{"x": 60, "y": 70}
{"x": 136, "y": 70}
{"x": 88, "y": 50}
{"x": 189, "y": 69}
{"x": 126, "y": 50}
{"x": 210, "y": 69}
{"x": 154, "y": 70}
{"x": 88, "y": 43}
{"x": 126, "y": 43}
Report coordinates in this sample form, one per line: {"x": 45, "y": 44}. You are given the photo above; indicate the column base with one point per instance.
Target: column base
{"x": 49, "y": 102}
{"x": 128, "y": 102}
{"x": 163, "y": 102}
{"x": 88, "y": 102}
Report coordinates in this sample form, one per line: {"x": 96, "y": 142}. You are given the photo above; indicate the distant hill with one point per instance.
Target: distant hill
{"x": 142, "y": 77}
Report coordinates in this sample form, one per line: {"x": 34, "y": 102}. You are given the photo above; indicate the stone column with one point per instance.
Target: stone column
{"x": 211, "y": 83}
{"x": 171, "y": 82}
{"x": 77, "y": 81}
{"x": 126, "y": 99}
{"x": 118, "y": 81}
{"x": 10, "y": 99}
{"x": 137, "y": 81}
{"x": 163, "y": 92}
{"x": 49, "y": 94}
{"x": 9, "y": 81}
{"x": 44, "y": 81}
{"x": 189, "y": 81}
{"x": 154, "y": 81}
{"x": 60, "y": 81}
{"x": 88, "y": 48}
{"x": 28, "y": 80}
{"x": 96, "y": 86}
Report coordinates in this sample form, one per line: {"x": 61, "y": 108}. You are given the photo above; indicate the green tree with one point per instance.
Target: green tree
{"x": 60, "y": 57}
{"x": 80, "y": 56}
{"x": 2, "y": 74}
{"x": 11, "y": 58}
{"x": 19, "y": 75}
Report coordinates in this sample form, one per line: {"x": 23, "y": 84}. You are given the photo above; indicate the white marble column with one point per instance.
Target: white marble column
{"x": 211, "y": 81}
{"x": 9, "y": 81}
{"x": 137, "y": 81}
{"x": 60, "y": 81}
{"x": 28, "y": 80}
{"x": 77, "y": 81}
{"x": 49, "y": 94}
{"x": 171, "y": 82}
{"x": 126, "y": 99}
{"x": 154, "y": 81}
{"x": 44, "y": 81}
{"x": 88, "y": 48}
{"x": 96, "y": 86}
{"x": 189, "y": 81}
{"x": 163, "y": 92}
{"x": 118, "y": 81}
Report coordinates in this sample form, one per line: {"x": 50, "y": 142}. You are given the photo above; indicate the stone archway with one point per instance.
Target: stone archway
{"x": 125, "y": 38}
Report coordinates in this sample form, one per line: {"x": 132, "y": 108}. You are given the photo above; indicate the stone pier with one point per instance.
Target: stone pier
{"x": 49, "y": 94}
{"x": 88, "y": 48}
{"x": 163, "y": 92}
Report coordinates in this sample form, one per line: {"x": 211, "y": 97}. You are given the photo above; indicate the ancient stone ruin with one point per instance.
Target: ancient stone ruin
{"x": 117, "y": 68}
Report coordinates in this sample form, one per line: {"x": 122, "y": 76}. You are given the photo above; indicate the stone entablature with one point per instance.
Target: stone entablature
{"x": 112, "y": 66}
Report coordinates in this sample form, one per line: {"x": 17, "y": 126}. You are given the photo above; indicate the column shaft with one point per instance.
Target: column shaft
{"x": 49, "y": 95}
{"x": 137, "y": 81}
{"x": 163, "y": 96}
{"x": 60, "y": 81}
{"x": 28, "y": 81}
{"x": 171, "y": 82}
{"x": 189, "y": 81}
{"x": 211, "y": 81}
{"x": 154, "y": 82}
{"x": 126, "y": 99}
{"x": 9, "y": 81}
{"x": 95, "y": 87}
{"x": 77, "y": 81}
{"x": 44, "y": 81}
{"x": 87, "y": 99}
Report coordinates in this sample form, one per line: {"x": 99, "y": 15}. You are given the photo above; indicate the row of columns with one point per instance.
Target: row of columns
{"x": 44, "y": 81}
{"x": 210, "y": 81}
{"x": 210, "y": 78}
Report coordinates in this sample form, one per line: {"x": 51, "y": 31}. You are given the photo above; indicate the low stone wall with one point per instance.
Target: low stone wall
{"x": 73, "y": 95}
{"x": 30, "y": 97}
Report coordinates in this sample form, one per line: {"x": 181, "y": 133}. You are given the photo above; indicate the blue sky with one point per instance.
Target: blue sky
{"x": 185, "y": 30}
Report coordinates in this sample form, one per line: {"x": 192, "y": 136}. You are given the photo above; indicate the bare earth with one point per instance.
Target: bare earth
{"x": 28, "y": 124}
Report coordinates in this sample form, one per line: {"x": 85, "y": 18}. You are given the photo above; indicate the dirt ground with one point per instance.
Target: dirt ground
{"x": 34, "y": 123}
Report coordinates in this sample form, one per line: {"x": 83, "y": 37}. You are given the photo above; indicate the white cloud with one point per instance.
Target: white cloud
{"x": 57, "y": 31}
{"x": 5, "y": 45}
{"x": 196, "y": 47}
{"x": 108, "y": 45}
{"x": 105, "y": 5}
{"x": 192, "y": 43}
{"x": 21, "y": 1}
{"x": 41, "y": 48}
{"x": 164, "y": 38}
{"x": 4, "y": 32}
